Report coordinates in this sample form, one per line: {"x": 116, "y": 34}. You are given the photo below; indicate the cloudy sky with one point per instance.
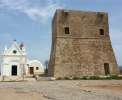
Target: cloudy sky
{"x": 29, "y": 21}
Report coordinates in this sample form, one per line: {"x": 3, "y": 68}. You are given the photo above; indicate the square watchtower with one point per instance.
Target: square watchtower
{"x": 81, "y": 45}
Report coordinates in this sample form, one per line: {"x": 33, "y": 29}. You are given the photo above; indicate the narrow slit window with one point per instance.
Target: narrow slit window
{"x": 67, "y": 30}
{"x": 65, "y": 13}
{"x": 101, "y": 31}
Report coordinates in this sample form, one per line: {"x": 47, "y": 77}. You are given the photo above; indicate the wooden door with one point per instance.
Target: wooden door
{"x": 31, "y": 70}
{"x": 14, "y": 70}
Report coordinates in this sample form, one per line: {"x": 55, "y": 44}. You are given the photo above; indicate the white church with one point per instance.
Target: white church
{"x": 14, "y": 62}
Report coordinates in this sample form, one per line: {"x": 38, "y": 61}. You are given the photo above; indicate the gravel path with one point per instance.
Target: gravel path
{"x": 68, "y": 90}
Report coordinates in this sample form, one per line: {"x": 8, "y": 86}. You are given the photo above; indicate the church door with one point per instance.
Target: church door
{"x": 14, "y": 70}
{"x": 31, "y": 70}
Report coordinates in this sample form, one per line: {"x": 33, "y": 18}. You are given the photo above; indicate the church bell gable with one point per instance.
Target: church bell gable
{"x": 14, "y": 50}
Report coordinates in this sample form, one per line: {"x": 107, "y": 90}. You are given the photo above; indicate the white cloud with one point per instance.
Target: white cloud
{"x": 35, "y": 12}
{"x": 41, "y": 14}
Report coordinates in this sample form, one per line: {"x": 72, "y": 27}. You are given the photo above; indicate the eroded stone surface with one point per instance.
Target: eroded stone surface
{"x": 87, "y": 47}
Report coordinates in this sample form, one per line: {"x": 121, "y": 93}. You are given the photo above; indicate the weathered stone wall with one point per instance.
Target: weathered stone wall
{"x": 83, "y": 51}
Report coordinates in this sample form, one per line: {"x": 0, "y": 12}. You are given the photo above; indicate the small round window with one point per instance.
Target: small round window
{"x": 14, "y": 51}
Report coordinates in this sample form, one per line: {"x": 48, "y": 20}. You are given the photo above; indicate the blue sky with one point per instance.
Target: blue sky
{"x": 29, "y": 21}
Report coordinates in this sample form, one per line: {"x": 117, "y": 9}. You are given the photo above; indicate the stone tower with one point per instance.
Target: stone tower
{"x": 81, "y": 45}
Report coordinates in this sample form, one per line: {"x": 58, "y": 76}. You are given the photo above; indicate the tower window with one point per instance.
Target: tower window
{"x": 101, "y": 31}
{"x": 65, "y": 13}
{"x": 67, "y": 30}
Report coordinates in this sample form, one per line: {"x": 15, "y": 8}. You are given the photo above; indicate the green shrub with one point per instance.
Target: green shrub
{"x": 84, "y": 78}
{"x": 115, "y": 77}
{"x": 94, "y": 78}
{"x": 76, "y": 78}
{"x": 59, "y": 78}
{"x": 67, "y": 78}
{"x": 110, "y": 77}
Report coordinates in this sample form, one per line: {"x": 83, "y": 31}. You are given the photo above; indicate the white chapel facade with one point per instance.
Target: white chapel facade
{"x": 14, "y": 62}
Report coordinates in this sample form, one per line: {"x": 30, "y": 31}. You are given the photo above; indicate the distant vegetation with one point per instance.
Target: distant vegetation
{"x": 109, "y": 77}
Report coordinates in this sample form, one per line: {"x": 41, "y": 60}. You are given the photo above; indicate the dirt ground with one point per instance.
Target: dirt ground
{"x": 62, "y": 90}
{"x": 12, "y": 94}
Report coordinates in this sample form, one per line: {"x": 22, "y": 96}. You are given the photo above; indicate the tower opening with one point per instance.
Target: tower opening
{"x": 67, "y": 30}
{"x": 101, "y": 31}
{"x": 106, "y": 68}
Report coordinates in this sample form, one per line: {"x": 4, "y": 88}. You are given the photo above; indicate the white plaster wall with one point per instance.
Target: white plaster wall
{"x": 26, "y": 69}
{"x": 34, "y": 64}
{"x": 8, "y": 61}
{"x": 6, "y": 70}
